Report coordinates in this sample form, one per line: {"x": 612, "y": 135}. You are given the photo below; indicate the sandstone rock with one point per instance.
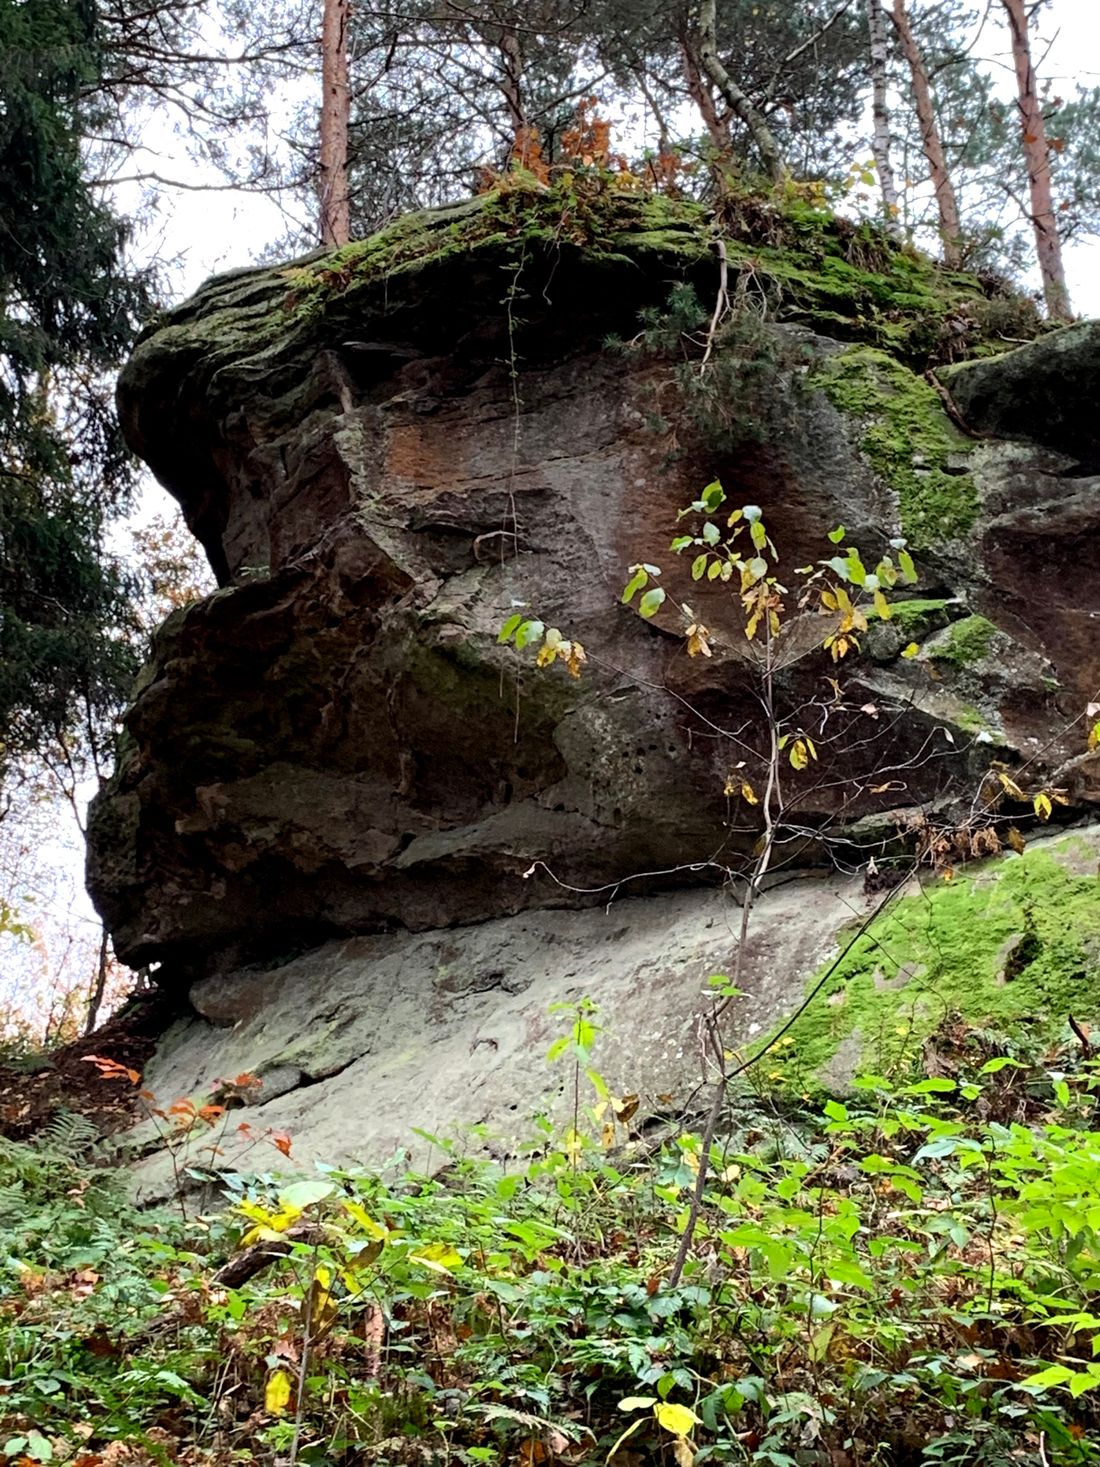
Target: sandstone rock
{"x": 369, "y": 1046}
{"x": 385, "y": 449}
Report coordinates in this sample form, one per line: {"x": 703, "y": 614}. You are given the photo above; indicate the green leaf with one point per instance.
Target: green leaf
{"x": 637, "y": 1403}
{"x": 509, "y": 627}
{"x": 857, "y": 573}
{"x": 908, "y": 569}
{"x": 530, "y": 631}
{"x": 1000, "y": 1062}
{"x": 912, "y": 650}
{"x": 715, "y": 570}
{"x": 711, "y": 533}
{"x": 752, "y": 512}
{"x": 759, "y": 534}
{"x": 837, "y": 535}
{"x": 681, "y": 543}
{"x": 638, "y": 581}
{"x": 699, "y": 567}
{"x": 651, "y": 602}
{"x": 712, "y": 496}
{"x": 305, "y": 1193}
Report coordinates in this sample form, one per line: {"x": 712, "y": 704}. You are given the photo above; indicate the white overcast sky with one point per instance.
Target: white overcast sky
{"x": 212, "y": 231}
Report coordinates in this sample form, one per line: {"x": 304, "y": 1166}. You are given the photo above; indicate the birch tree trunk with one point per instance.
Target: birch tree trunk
{"x": 738, "y": 101}
{"x": 335, "y": 110}
{"x": 931, "y": 142}
{"x": 1048, "y": 242}
{"x": 880, "y": 142}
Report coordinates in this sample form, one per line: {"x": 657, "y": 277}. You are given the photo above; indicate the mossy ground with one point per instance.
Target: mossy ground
{"x": 908, "y": 439}
{"x": 952, "y": 949}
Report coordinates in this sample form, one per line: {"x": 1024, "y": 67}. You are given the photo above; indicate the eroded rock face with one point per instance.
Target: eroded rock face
{"x": 385, "y": 453}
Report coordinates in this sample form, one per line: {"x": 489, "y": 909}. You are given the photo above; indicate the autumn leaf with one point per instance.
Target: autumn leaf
{"x": 1016, "y": 840}
{"x": 677, "y": 1419}
{"x": 1012, "y": 789}
{"x": 1042, "y": 805}
{"x": 697, "y": 640}
{"x": 277, "y": 1393}
{"x": 911, "y": 651}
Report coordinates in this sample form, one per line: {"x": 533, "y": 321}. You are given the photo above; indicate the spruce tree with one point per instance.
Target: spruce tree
{"x": 69, "y": 308}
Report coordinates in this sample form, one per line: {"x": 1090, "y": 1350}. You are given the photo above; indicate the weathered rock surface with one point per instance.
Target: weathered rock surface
{"x": 385, "y": 449}
{"x": 364, "y": 1042}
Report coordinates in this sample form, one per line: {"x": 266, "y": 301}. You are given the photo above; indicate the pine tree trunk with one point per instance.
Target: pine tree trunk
{"x": 1048, "y": 243}
{"x": 335, "y": 109}
{"x": 931, "y": 142}
{"x": 737, "y": 100}
{"x": 880, "y": 142}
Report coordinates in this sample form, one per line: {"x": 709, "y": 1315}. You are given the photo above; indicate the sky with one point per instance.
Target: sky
{"x": 215, "y": 231}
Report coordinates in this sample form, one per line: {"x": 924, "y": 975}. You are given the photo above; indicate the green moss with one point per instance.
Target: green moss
{"x": 915, "y": 611}
{"x": 965, "y": 643}
{"x": 909, "y": 440}
{"x": 956, "y": 947}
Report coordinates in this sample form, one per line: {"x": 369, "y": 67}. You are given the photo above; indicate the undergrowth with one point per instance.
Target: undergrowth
{"x": 909, "y": 1278}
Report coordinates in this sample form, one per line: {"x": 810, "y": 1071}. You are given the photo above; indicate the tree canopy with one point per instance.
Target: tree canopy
{"x": 69, "y": 306}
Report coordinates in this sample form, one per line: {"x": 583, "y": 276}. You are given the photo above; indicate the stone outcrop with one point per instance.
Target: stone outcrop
{"x": 387, "y": 448}
{"x": 367, "y": 1047}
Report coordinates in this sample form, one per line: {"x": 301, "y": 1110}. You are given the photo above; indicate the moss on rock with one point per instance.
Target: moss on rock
{"x": 956, "y": 948}
{"x": 908, "y": 439}
{"x": 965, "y": 643}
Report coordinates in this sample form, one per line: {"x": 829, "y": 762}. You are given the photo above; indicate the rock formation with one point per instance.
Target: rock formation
{"x": 386, "y": 448}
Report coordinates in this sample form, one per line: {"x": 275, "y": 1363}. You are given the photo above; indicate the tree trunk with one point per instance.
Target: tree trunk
{"x": 737, "y": 100}
{"x": 95, "y": 1001}
{"x": 703, "y": 97}
{"x": 1048, "y": 243}
{"x": 335, "y": 109}
{"x": 931, "y": 142}
{"x": 880, "y": 143}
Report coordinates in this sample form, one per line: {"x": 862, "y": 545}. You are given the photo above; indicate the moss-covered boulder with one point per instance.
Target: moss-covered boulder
{"x": 387, "y": 448}
{"x": 1009, "y": 946}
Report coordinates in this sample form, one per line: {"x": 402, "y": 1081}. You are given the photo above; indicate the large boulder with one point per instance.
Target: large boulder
{"x": 387, "y": 448}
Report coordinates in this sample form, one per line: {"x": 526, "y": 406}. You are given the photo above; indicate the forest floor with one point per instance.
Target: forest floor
{"x": 33, "y": 1089}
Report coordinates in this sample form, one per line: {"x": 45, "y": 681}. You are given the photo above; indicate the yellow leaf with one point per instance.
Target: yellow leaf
{"x": 546, "y": 655}
{"x": 1042, "y": 805}
{"x": 882, "y": 606}
{"x": 677, "y": 1419}
{"x": 576, "y": 659}
{"x": 365, "y": 1221}
{"x": 439, "y": 1257}
{"x": 321, "y": 1308}
{"x": 625, "y": 1107}
{"x": 799, "y": 757}
{"x": 1010, "y": 787}
{"x": 607, "y": 1135}
{"x": 277, "y": 1393}
{"x": 910, "y": 651}
{"x": 1094, "y": 735}
{"x": 748, "y": 794}
{"x": 1016, "y": 840}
